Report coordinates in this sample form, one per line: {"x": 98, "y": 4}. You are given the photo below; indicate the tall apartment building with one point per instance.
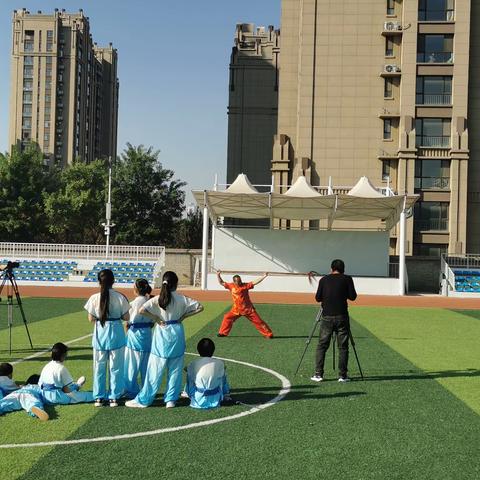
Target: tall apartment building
{"x": 389, "y": 89}
{"x": 64, "y": 88}
{"x": 253, "y": 102}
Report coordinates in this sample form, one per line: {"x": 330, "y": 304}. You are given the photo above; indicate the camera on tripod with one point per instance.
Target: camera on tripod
{"x": 10, "y": 266}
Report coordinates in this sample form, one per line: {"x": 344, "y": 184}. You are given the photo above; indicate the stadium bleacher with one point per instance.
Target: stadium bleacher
{"x": 467, "y": 281}
{"x": 43, "y": 270}
{"x": 125, "y": 272}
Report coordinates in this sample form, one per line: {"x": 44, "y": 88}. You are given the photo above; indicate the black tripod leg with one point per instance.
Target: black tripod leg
{"x": 309, "y": 339}
{"x": 20, "y": 306}
{"x": 352, "y": 341}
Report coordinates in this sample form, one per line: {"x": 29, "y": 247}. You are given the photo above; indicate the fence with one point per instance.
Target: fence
{"x": 10, "y": 250}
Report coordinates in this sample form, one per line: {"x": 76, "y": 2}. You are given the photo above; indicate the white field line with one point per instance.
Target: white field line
{"x": 285, "y": 389}
{"x": 43, "y": 352}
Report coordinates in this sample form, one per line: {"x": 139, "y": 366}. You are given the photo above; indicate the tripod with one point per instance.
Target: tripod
{"x": 316, "y": 322}
{"x": 7, "y": 275}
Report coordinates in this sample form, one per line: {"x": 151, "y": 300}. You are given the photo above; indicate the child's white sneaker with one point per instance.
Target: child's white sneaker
{"x": 184, "y": 394}
{"x": 134, "y": 404}
{"x": 81, "y": 381}
{"x": 98, "y": 403}
{"x": 170, "y": 405}
{"x": 113, "y": 403}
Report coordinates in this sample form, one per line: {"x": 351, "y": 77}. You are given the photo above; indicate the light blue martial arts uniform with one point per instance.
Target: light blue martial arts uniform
{"x": 168, "y": 349}
{"x": 7, "y": 385}
{"x": 108, "y": 346}
{"x": 137, "y": 350}
{"x": 25, "y": 398}
{"x": 53, "y": 378}
{"x": 207, "y": 383}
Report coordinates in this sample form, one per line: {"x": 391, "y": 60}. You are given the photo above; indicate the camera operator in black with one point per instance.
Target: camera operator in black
{"x": 333, "y": 291}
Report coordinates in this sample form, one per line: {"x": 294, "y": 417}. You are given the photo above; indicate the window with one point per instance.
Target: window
{"x": 26, "y": 122}
{"x": 432, "y": 174}
{"x": 48, "y": 98}
{"x": 48, "y": 60}
{"x": 388, "y": 88}
{"x": 433, "y": 48}
{"x": 28, "y": 85}
{"x": 436, "y": 10}
{"x": 27, "y": 97}
{"x": 429, "y": 249}
{"x": 48, "y": 111}
{"x": 433, "y": 132}
{"x": 388, "y": 167}
{"x": 387, "y": 129}
{"x": 28, "y": 71}
{"x": 27, "y": 110}
{"x": 390, "y": 7}
{"x": 389, "y": 45}
{"x": 431, "y": 216}
{"x": 434, "y": 90}
{"x": 28, "y": 60}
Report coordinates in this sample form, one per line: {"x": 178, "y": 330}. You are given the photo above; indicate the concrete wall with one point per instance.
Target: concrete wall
{"x": 182, "y": 262}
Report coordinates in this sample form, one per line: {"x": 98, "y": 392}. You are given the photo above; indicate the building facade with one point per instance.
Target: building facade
{"x": 382, "y": 88}
{"x": 253, "y": 102}
{"x": 64, "y": 88}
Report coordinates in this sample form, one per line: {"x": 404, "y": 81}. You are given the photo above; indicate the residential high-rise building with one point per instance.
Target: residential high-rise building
{"x": 253, "y": 102}
{"x": 64, "y": 88}
{"x": 389, "y": 89}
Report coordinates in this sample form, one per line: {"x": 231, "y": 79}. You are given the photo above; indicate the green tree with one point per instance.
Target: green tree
{"x": 24, "y": 180}
{"x": 190, "y": 230}
{"x": 76, "y": 209}
{"x": 147, "y": 202}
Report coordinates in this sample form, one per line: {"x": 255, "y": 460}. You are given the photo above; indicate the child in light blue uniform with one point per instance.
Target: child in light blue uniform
{"x": 106, "y": 310}
{"x": 139, "y": 340}
{"x": 57, "y": 384}
{"x": 28, "y": 398}
{"x": 207, "y": 384}
{"x": 7, "y": 385}
{"x": 168, "y": 342}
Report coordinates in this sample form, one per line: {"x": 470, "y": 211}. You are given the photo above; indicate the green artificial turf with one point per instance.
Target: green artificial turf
{"x": 414, "y": 416}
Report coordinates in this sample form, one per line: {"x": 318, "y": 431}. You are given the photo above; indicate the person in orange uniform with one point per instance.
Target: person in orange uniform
{"x": 242, "y": 306}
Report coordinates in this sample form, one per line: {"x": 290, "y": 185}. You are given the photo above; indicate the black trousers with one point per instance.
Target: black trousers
{"x": 340, "y": 324}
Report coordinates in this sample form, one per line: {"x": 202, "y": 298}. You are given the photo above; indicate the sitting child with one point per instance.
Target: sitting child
{"x": 7, "y": 385}
{"x": 28, "y": 398}
{"x": 207, "y": 384}
{"x": 56, "y": 382}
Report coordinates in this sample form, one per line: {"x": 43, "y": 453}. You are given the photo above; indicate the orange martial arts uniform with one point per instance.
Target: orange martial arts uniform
{"x": 243, "y": 307}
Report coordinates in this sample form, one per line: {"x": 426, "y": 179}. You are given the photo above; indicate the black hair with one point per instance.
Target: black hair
{"x": 59, "y": 350}
{"x": 169, "y": 285}
{"x": 33, "y": 379}
{"x": 338, "y": 266}
{"x": 6, "y": 369}
{"x": 205, "y": 347}
{"x": 143, "y": 287}
{"x": 106, "y": 281}
{"x": 236, "y": 276}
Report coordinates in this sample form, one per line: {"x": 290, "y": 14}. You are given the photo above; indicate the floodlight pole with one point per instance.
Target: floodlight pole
{"x": 401, "y": 256}
{"x": 108, "y": 210}
{"x": 205, "y": 243}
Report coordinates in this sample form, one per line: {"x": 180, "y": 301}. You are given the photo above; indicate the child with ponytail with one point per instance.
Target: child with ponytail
{"x": 106, "y": 310}
{"x": 139, "y": 340}
{"x": 168, "y": 310}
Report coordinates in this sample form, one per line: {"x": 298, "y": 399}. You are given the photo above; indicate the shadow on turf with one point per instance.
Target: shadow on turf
{"x": 471, "y": 372}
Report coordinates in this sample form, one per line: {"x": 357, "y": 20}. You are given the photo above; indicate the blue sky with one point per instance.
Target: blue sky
{"x": 173, "y": 71}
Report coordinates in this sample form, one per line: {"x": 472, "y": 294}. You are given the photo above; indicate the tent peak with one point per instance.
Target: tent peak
{"x": 365, "y": 189}
{"x": 302, "y": 188}
{"x": 241, "y": 185}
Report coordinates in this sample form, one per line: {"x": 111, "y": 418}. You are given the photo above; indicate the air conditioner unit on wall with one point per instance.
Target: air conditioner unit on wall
{"x": 392, "y": 26}
{"x": 391, "y": 68}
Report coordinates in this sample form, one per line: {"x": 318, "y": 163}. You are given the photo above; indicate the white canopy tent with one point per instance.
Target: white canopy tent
{"x": 363, "y": 204}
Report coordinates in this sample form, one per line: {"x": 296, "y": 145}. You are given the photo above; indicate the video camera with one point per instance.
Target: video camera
{"x": 10, "y": 266}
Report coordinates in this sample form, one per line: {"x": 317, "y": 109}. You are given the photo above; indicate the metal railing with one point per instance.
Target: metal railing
{"x": 13, "y": 251}
{"x": 437, "y": 224}
{"x": 432, "y": 183}
{"x": 435, "y": 142}
{"x": 466, "y": 260}
{"x": 431, "y": 99}
{"x": 435, "y": 57}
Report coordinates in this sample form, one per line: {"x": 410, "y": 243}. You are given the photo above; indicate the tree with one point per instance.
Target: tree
{"x": 190, "y": 230}
{"x": 76, "y": 209}
{"x": 24, "y": 179}
{"x": 147, "y": 202}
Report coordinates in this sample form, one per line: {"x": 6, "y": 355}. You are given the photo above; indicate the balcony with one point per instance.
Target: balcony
{"x": 432, "y": 183}
{"x": 431, "y": 99}
{"x": 433, "y": 142}
{"x": 435, "y": 57}
{"x": 431, "y": 224}
{"x": 436, "y": 15}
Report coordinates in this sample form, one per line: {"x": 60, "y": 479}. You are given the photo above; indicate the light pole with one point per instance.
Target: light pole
{"x": 108, "y": 210}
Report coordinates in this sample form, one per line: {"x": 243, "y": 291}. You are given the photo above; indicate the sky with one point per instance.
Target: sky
{"x": 173, "y": 61}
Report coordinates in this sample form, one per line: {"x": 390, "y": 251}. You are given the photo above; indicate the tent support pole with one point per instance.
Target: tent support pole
{"x": 205, "y": 243}
{"x": 215, "y": 188}
{"x": 401, "y": 257}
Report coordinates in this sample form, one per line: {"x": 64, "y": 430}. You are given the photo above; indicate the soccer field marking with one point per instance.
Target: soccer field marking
{"x": 43, "y": 352}
{"x": 284, "y": 390}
